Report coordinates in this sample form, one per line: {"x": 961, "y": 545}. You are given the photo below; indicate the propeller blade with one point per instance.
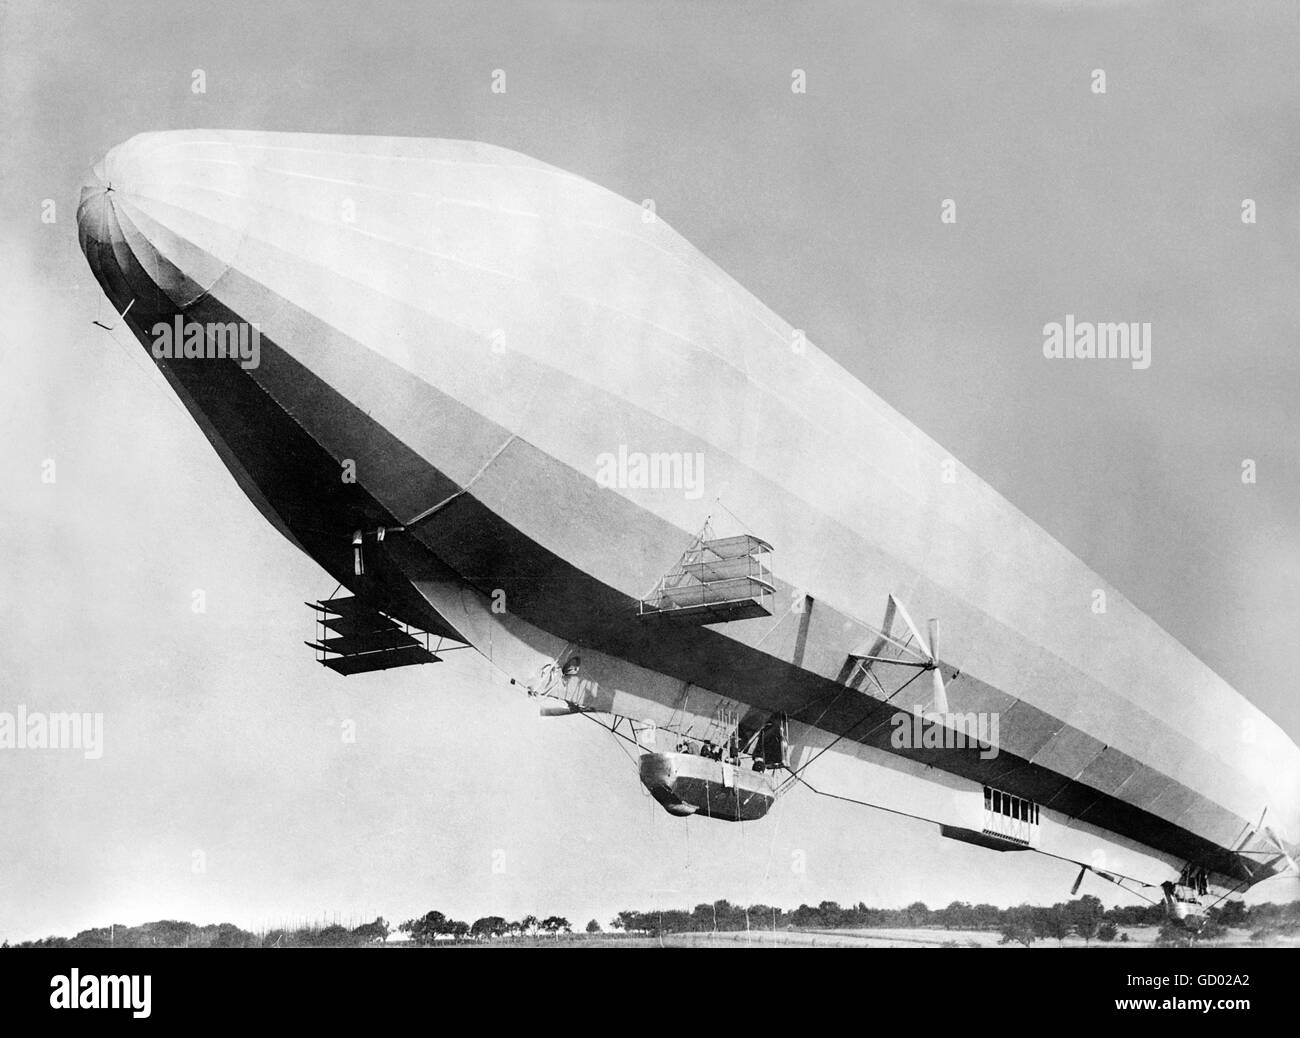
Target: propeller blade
{"x": 886, "y": 636}
{"x": 940, "y": 693}
{"x": 1281, "y": 848}
{"x": 907, "y": 620}
{"x": 1252, "y": 833}
{"x": 929, "y": 650}
{"x": 890, "y": 606}
{"x": 1078, "y": 880}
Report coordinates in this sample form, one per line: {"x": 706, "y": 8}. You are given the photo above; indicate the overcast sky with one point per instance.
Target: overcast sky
{"x": 222, "y": 735}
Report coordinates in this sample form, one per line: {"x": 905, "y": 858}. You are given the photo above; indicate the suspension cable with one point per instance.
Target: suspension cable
{"x": 867, "y": 717}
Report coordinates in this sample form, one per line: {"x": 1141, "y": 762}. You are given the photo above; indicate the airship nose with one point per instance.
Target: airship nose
{"x": 161, "y": 216}
{"x": 99, "y": 231}
{"x": 95, "y": 207}
{"x": 94, "y": 196}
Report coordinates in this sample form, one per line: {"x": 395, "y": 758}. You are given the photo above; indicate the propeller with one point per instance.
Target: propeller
{"x": 1262, "y": 831}
{"x": 930, "y": 650}
{"x": 936, "y": 675}
{"x": 1249, "y": 833}
{"x": 1281, "y": 848}
{"x": 1109, "y": 877}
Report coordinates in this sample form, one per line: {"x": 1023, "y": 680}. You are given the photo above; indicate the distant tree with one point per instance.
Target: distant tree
{"x": 528, "y": 925}
{"x": 1107, "y": 932}
{"x": 164, "y": 933}
{"x": 228, "y": 935}
{"x": 702, "y": 919}
{"x": 488, "y": 926}
{"x": 831, "y": 913}
{"x": 1232, "y": 914}
{"x": 1018, "y": 927}
{"x": 986, "y": 917}
{"x": 957, "y": 916}
{"x": 372, "y": 933}
{"x": 593, "y": 926}
{"x": 805, "y": 917}
{"x": 918, "y": 914}
{"x": 1055, "y": 922}
{"x": 426, "y": 929}
{"x": 332, "y": 936}
{"x": 555, "y": 924}
{"x": 1174, "y": 934}
{"x": 1085, "y": 916}
{"x": 761, "y": 917}
{"x": 457, "y": 929}
{"x": 730, "y": 917}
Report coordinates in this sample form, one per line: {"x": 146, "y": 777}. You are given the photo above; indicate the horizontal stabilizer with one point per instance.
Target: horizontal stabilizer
{"x": 371, "y": 661}
{"x": 353, "y": 637}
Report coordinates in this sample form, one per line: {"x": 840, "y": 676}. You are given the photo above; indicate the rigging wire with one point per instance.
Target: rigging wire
{"x": 798, "y": 773}
{"x": 1239, "y": 886}
{"x": 150, "y": 374}
{"x": 718, "y": 501}
{"x": 618, "y": 735}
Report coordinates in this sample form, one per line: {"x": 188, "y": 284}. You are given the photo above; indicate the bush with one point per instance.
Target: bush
{"x": 1174, "y": 934}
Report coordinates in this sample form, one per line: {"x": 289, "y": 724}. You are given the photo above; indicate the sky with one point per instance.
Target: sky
{"x": 227, "y": 790}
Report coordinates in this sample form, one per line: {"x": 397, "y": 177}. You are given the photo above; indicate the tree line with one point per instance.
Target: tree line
{"x": 1083, "y": 917}
{"x": 172, "y": 933}
{"x": 434, "y": 926}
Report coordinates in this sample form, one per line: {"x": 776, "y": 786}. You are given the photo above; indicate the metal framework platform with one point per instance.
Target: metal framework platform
{"x": 356, "y": 638}
{"x": 716, "y": 581}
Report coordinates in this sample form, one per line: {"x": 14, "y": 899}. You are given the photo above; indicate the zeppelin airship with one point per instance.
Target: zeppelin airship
{"x": 509, "y": 410}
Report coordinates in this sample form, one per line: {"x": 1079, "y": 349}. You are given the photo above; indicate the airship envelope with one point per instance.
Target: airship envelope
{"x": 515, "y": 407}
